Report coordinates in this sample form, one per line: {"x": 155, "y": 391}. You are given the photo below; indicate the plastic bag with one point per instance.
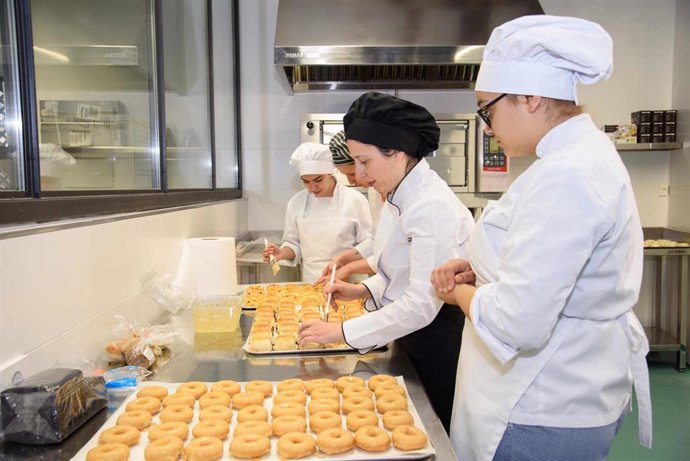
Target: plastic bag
{"x": 140, "y": 345}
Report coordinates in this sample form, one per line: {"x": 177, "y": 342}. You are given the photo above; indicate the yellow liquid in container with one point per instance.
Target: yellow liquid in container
{"x": 217, "y": 315}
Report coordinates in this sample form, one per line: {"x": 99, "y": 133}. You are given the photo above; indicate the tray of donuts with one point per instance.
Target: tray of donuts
{"x": 257, "y": 294}
{"x": 343, "y": 419}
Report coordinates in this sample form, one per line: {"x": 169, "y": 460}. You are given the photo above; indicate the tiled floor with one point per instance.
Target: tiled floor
{"x": 671, "y": 418}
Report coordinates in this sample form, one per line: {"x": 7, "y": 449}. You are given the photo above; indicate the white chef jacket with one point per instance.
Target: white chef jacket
{"x": 319, "y": 228}
{"x": 423, "y": 226}
{"x": 558, "y": 259}
{"x": 366, "y": 248}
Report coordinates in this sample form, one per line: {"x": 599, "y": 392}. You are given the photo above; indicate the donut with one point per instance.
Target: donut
{"x": 395, "y": 418}
{"x": 216, "y": 412}
{"x": 291, "y": 384}
{"x": 120, "y": 434}
{"x": 390, "y": 402}
{"x": 407, "y": 438}
{"x": 253, "y": 427}
{"x": 214, "y": 398}
{"x": 150, "y": 404}
{"x": 195, "y": 387}
{"x": 203, "y": 449}
{"x": 137, "y": 418}
{"x": 174, "y": 428}
{"x": 377, "y": 380}
{"x": 294, "y": 445}
{"x": 324, "y": 420}
{"x": 325, "y": 393}
{"x": 316, "y": 383}
{"x": 361, "y": 418}
{"x": 288, "y": 408}
{"x": 372, "y": 438}
{"x": 288, "y": 423}
{"x": 176, "y": 413}
{"x": 290, "y": 396}
{"x": 246, "y": 398}
{"x": 166, "y": 448}
{"x": 158, "y": 392}
{"x": 180, "y": 398}
{"x": 344, "y": 381}
{"x": 334, "y": 441}
{"x": 250, "y": 446}
{"x": 356, "y": 391}
{"x": 109, "y": 452}
{"x": 264, "y": 387}
{"x": 211, "y": 428}
{"x": 357, "y": 403}
{"x": 228, "y": 386}
{"x": 252, "y": 413}
{"x": 388, "y": 389}
{"x": 316, "y": 405}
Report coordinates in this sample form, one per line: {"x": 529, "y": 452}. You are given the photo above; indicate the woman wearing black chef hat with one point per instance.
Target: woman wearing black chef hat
{"x": 424, "y": 223}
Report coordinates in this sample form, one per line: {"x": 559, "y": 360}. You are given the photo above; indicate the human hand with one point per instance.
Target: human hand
{"x": 456, "y": 271}
{"x": 320, "y": 332}
{"x": 345, "y": 291}
{"x": 274, "y": 250}
{"x": 326, "y": 273}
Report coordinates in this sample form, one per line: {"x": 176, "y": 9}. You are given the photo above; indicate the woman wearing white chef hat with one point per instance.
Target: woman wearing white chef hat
{"x": 551, "y": 347}
{"x": 324, "y": 219}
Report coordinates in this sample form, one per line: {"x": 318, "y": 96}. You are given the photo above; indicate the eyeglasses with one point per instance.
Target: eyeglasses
{"x": 484, "y": 114}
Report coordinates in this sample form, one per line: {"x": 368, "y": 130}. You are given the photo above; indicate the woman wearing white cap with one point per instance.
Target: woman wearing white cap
{"x": 551, "y": 347}
{"x": 324, "y": 219}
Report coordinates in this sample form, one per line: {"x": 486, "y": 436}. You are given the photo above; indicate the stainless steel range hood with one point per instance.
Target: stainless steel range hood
{"x": 387, "y": 44}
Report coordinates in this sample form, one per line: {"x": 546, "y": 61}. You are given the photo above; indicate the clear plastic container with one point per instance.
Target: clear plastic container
{"x": 165, "y": 292}
{"x": 217, "y": 315}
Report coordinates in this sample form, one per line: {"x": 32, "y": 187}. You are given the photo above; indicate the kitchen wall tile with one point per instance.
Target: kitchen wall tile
{"x": 652, "y": 208}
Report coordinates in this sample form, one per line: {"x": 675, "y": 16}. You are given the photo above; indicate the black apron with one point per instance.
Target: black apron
{"x": 434, "y": 352}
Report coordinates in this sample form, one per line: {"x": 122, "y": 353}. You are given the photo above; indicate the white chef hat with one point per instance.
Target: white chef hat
{"x": 545, "y": 56}
{"x": 312, "y": 158}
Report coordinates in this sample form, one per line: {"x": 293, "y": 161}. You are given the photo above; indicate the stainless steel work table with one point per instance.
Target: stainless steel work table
{"x": 216, "y": 356}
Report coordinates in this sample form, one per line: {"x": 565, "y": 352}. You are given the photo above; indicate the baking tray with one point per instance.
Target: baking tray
{"x": 137, "y": 451}
{"x": 323, "y": 351}
{"x": 251, "y": 308}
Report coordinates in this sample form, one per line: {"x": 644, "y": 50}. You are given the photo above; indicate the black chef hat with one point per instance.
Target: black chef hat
{"x": 392, "y": 123}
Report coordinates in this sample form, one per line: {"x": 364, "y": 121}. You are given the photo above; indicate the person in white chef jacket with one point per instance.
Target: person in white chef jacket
{"x": 422, "y": 224}
{"x": 324, "y": 219}
{"x": 551, "y": 348}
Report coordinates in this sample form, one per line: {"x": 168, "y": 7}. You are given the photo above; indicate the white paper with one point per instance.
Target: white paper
{"x": 207, "y": 267}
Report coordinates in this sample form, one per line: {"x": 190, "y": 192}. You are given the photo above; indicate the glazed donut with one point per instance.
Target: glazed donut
{"x": 158, "y": 392}
{"x": 324, "y": 420}
{"x": 317, "y": 383}
{"x": 216, "y": 412}
{"x": 389, "y": 389}
{"x": 214, "y": 398}
{"x": 150, "y": 404}
{"x": 204, "y": 449}
{"x": 250, "y": 446}
{"x": 357, "y": 391}
{"x": 316, "y": 405}
{"x": 195, "y": 387}
{"x": 357, "y": 403}
{"x": 325, "y": 393}
{"x": 334, "y": 441}
{"x": 253, "y": 427}
{"x": 137, "y": 418}
{"x": 407, "y": 438}
{"x": 211, "y": 428}
{"x": 264, "y": 387}
{"x": 252, "y": 413}
{"x": 120, "y": 434}
{"x": 372, "y": 438}
{"x": 377, "y": 380}
{"x": 294, "y": 445}
{"x": 176, "y": 413}
{"x": 288, "y": 423}
{"x": 246, "y": 398}
{"x": 228, "y": 386}
{"x": 344, "y": 381}
{"x": 390, "y": 402}
{"x": 288, "y": 408}
{"x": 166, "y": 448}
{"x": 180, "y": 398}
{"x": 395, "y": 418}
{"x": 290, "y": 396}
{"x": 175, "y": 428}
{"x": 361, "y": 418}
{"x": 291, "y": 384}
{"x": 109, "y": 452}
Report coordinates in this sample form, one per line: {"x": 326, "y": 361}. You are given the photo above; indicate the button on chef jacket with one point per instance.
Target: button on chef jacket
{"x": 423, "y": 226}
{"x": 320, "y": 228}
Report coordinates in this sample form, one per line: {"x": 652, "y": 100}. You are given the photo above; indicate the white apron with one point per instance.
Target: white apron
{"x": 486, "y": 391}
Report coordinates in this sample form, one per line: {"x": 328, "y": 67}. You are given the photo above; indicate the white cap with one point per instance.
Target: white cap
{"x": 545, "y": 56}
{"x": 312, "y": 158}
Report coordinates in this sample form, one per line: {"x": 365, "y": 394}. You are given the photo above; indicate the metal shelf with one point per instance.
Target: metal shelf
{"x": 649, "y": 146}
